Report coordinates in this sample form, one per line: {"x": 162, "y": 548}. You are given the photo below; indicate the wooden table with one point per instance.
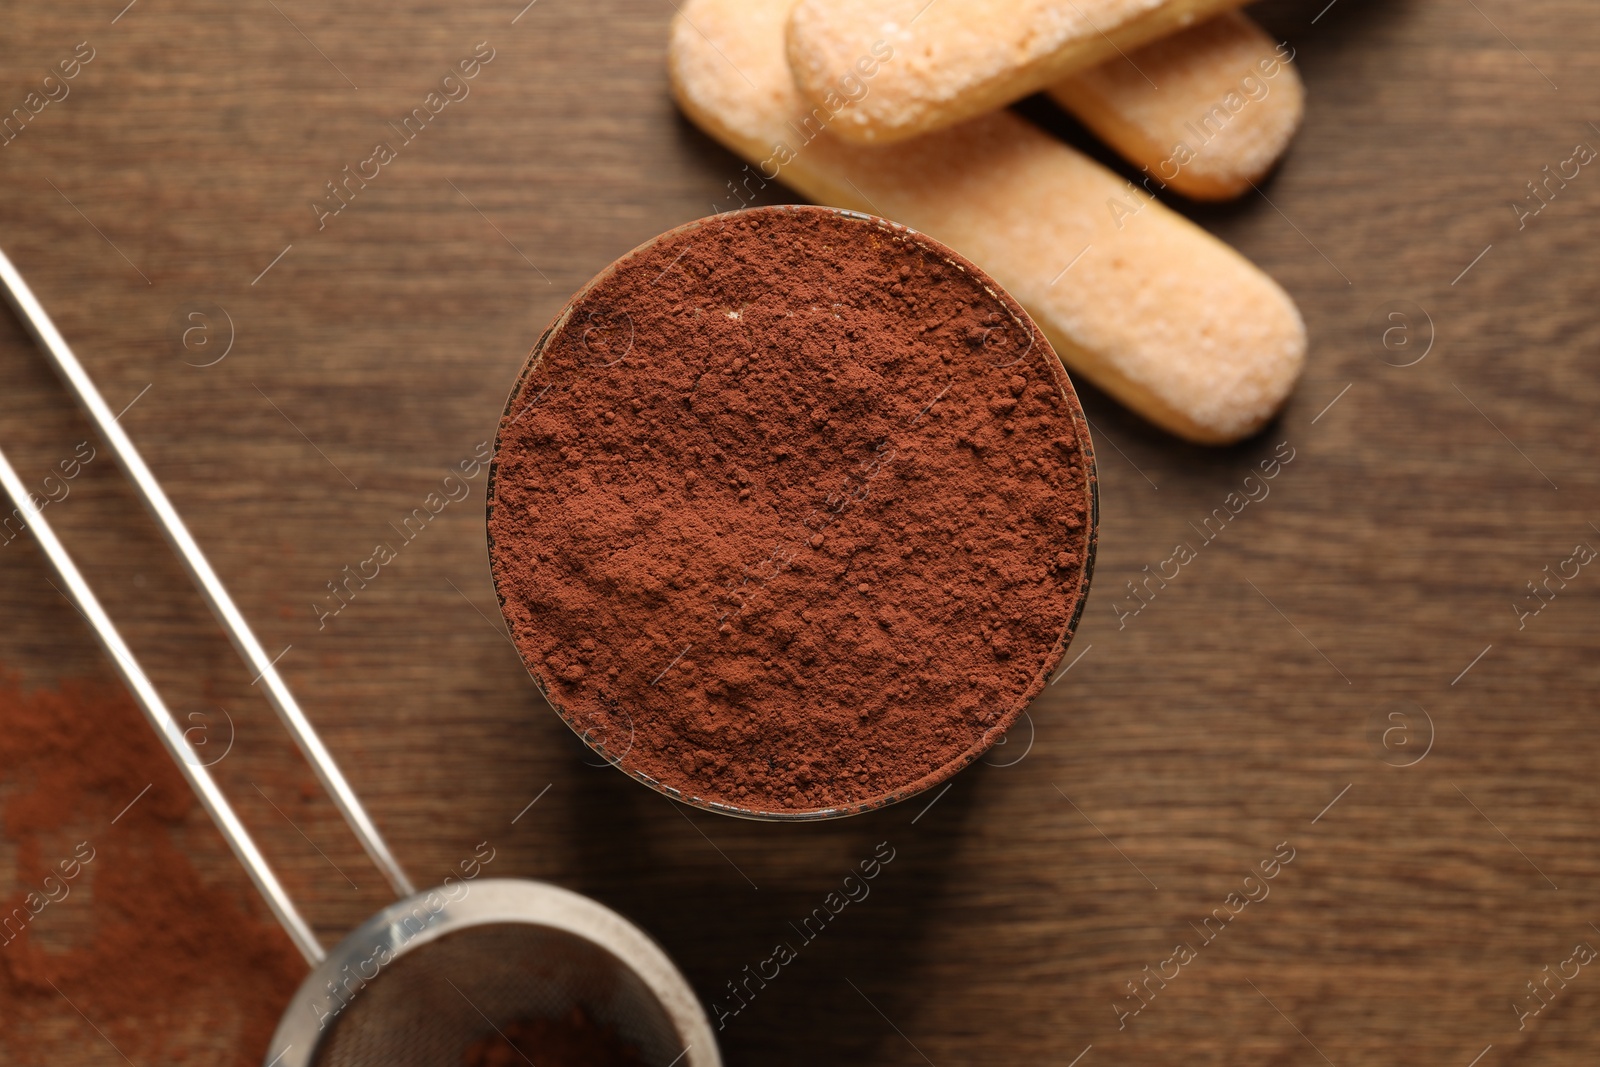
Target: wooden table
{"x": 1286, "y": 688}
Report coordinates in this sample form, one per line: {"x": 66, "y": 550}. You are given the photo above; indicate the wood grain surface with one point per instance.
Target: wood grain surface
{"x": 1343, "y": 669}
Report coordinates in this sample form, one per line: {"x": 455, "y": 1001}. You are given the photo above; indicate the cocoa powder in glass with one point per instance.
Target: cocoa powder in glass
{"x": 792, "y": 511}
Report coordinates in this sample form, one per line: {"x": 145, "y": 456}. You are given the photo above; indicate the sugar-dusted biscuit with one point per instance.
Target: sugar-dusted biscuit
{"x": 1207, "y": 111}
{"x": 954, "y": 59}
{"x": 1133, "y": 296}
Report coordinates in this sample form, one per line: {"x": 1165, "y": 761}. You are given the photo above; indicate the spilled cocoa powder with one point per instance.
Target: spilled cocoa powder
{"x": 108, "y": 933}
{"x": 791, "y": 510}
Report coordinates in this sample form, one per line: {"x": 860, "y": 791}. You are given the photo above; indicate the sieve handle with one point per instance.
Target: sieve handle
{"x": 205, "y": 579}
{"x": 216, "y": 805}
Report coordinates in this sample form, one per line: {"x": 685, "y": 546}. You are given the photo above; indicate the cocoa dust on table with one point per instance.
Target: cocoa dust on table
{"x": 108, "y": 934}
{"x": 791, "y": 510}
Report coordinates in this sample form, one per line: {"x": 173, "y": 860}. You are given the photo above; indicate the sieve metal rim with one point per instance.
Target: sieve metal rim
{"x": 487, "y": 902}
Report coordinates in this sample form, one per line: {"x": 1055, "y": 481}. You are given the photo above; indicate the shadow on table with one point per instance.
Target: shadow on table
{"x": 830, "y": 1002}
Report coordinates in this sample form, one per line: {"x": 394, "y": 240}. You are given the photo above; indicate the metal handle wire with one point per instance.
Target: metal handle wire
{"x": 216, "y": 805}
{"x": 216, "y": 595}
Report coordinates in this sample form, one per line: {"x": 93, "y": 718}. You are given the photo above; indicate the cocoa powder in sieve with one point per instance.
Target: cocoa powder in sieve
{"x": 790, "y": 510}
{"x": 575, "y": 1041}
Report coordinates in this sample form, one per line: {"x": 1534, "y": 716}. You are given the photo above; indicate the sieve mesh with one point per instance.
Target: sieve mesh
{"x": 431, "y": 1003}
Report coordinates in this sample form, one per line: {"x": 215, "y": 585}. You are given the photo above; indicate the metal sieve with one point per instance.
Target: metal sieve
{"x": 431, "y": 973}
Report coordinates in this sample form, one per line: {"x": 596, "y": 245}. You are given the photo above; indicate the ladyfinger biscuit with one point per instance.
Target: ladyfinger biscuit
{"x": 1133, "y": 296}
{"x": 955, "y": 59}
{"x": 1206, "y": 111}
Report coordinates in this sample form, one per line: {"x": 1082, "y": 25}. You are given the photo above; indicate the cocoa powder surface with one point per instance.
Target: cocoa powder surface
{"x": 791, "y": 510}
